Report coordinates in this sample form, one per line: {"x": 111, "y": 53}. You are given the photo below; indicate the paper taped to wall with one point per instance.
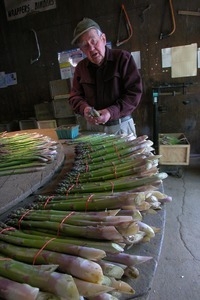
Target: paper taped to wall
{"x": 184, "y": 61}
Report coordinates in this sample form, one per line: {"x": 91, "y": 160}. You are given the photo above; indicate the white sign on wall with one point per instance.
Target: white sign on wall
{"x": 16, "y": 9}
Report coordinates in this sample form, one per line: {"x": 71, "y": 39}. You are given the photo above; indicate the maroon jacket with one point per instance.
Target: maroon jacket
{"x": 115, "y": 85}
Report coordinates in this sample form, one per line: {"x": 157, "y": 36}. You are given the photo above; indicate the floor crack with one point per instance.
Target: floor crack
{"x": 179, "y": 220}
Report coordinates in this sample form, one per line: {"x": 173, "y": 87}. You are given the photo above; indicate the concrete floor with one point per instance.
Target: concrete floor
{"x": 178, "y": 272}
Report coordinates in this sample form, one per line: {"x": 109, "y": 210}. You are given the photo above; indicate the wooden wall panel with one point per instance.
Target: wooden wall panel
{"x": 55, "y": 29}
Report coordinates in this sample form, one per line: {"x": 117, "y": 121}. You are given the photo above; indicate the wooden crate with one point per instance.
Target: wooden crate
{"x": 27, "y": 124}
{"x": 44, "y": 111}
{"x": 46, "y": 124}
{"x": 65, "y": 121}
{"x": 178, "y": 154}
{"x": 81, "y": 121}
{"x": 59, "y": 87}
{"x": 61, "y": 107}
{"x": 5, "y": 127}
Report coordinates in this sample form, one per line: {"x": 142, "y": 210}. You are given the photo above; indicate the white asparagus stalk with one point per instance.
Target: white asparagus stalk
{"x": 111, "y": 270}
{"x": 110, "y": 212}
{"x": 136, "y": 198}
{"x": 89, "y": 289}
{"x": 59, "y": 284}
{"x": 131, "y": 272}
{"x": 48, "y": 296}
{"x": 153, "y": 201}
{"x": 119, "y": 285}
{"x": 132, "y": 211}
{"x": 90, "y": 253}
{"x": 146, "y": 228}
{"x": 10, "y": 290}
{"x": 142, "y": 207}
{"x": 134, "y": 239}
{"x": 161, "y": 196}
{"x": 127, "y": 229}
{"x": 81, "y": 268}
{"x": 64, "y": 286}
{"x": 127, "y": 259}
{"x": 47, "y": 268}
{"x": 103, "y": 296}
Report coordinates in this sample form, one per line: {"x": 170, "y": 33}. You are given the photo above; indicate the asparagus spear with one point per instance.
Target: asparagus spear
{"x": 91, "y": 232}
{"x": 73, "y": 265}
{"x": 94, "y": 112}
{"x": 116, "y": 185}
{"x": 91, "y": 201}
{"x": 111, "y": 270}
{"x": 10, "y": 290}
{"x": 55, "y": 245}
{"x": 103, "y": 296}
{"x": 48, "y": 296}
{"x": 59, "y": 284}
{"x": 88, "y": 289}
{"x": 32, "y": 238}
{"x": 127, "y": 259}
{"x": 119, "y": 285}
{"x": 70, "y": 218}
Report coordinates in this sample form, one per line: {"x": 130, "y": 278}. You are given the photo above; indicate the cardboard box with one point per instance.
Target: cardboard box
{"x": 177, "y": 154}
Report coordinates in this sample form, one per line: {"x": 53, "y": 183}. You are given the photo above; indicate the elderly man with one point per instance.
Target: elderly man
{"x": 107, "y": 86}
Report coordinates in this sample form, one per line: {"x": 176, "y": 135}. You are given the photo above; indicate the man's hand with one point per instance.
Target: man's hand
{"x": 88, "y": 116}
{"x": 104, "y": 116}
{"x": 102, "y": 119}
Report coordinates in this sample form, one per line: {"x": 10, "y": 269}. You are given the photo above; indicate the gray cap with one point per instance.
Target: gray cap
{"x": 82, "y": 27}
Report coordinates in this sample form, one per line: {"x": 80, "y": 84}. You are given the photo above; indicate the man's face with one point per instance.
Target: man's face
{"x": 93, "y": 45}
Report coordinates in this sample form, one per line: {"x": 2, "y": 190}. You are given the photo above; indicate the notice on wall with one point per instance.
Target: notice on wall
{"x": 11, "y": 78}
{"x": 7, "y": 79}
{"x": 68, "y": 61}
{"x": 166, "y": 58}
{"x": 3, "y": 83}
{"x": 137, "y": 59}
{"x": 184, "y": 61}
{"x": 16, "y": 9}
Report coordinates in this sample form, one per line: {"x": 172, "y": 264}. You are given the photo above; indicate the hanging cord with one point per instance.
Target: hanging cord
{"x": 162, "y": 35}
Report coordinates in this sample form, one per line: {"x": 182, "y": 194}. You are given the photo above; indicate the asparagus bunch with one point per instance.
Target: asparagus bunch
{"x": 84, "y": 228}
{"x": 142, "y": 199}
{"x": 91, "y": 278}
{"x": 25, "y": 152}
{"x": 117, "y": 229}
{"x": 62, "y": 285}
{"x": 121, "y": 164}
